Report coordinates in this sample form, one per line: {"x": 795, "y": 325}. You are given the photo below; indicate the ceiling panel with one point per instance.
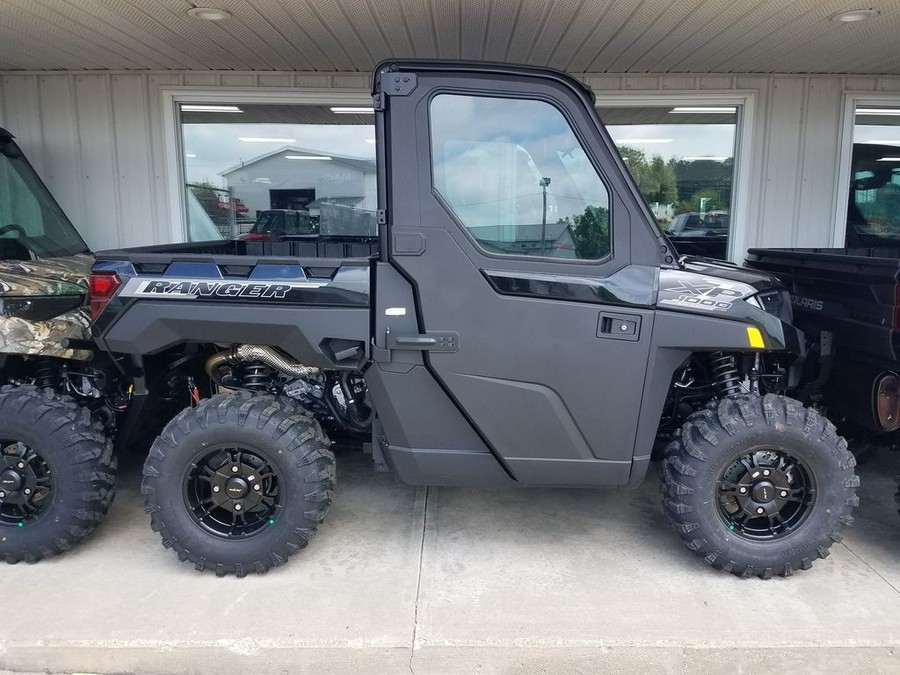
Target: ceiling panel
{"x": 626, "y": 36}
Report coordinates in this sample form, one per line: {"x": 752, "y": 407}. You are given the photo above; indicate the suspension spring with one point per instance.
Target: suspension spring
{"x": 46, "y": 375}
{"x": 725, "y": 374}
{"x": 256, "y": 377}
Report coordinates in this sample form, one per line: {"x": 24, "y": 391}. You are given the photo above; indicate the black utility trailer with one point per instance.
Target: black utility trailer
{"x": 521, "y": 321}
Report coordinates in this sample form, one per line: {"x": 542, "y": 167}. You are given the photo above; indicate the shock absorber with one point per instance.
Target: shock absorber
{"x": 725, "y": 374}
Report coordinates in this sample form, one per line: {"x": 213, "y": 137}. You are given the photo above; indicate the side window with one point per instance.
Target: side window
{"x": 515, "y": 175}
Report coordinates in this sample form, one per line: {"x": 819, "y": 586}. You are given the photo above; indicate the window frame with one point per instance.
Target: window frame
{"x": 851, "y": 100}
{"x": 173, "y": 141}
{"x": 585, "y": 147}
{"x": 745, "y": 101}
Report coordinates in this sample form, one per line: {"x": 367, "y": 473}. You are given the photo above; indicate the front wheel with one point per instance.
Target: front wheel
{"x": 239, "y": 483}
{"x": 759, "y": 486}
{"x": 57, "y": 474}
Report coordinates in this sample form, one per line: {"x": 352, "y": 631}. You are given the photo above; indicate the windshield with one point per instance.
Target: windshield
{"x": 31, "y": 223}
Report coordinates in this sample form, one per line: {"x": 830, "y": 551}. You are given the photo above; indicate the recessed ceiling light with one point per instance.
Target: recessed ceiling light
{"x": 190, "y": 155}
{"x": 371, "y": 141}
{"x": 855, "y": 15}
{"x": 191, "y": 107}
{"x": 353, "y": 111}
{"x": 702, "y": 109}
{"x": 265, "y": 139}
{"x": 307, "y": 157}
{"x": 209, "y": 13}
{"x": 621, "y": 141}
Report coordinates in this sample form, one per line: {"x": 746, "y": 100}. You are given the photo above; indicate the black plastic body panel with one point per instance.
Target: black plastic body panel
{"x": 150, "y": 326}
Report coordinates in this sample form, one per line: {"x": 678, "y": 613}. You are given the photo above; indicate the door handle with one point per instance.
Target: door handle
{"x": 432, "y": 341}
{"x": 619, "y": 326}
{"x": 420, "y": 342}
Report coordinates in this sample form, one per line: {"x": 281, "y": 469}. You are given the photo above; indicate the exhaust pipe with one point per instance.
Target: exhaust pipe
{"x": 250, "y": 353}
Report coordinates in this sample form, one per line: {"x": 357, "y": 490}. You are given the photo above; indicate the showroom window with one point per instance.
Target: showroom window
{"x": 873, "y": 206}
{"x": 276, "y": 171}
{"x": 682, "y": 157}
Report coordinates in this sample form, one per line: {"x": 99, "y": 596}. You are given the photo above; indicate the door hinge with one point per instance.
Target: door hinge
{"x": 378, "y": 102}
{"x": 398, "y": 84}
{"x": 381, "y": 217}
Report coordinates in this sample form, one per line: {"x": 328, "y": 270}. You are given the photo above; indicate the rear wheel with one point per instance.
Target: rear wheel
{"x": 759, "y": 486}
{"x": 239, "y": 483}
{"x": 57, "y": 474}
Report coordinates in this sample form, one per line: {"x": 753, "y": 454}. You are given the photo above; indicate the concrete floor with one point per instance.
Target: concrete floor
{"x": 405, "y": 579}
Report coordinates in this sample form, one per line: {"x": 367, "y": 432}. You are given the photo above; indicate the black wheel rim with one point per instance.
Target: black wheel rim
{"x": 26, "y": 484}
{"x": 233, "y": 492}
{"x": 765, "y": 494}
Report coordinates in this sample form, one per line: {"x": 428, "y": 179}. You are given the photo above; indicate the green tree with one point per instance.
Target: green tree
{"x": 714, "y": 201}
{"x": 655, "y": 177}
{"x": 590, "y": 233}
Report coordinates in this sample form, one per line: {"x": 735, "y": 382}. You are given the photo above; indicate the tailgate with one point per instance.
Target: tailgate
{"x": 850, "y": 292}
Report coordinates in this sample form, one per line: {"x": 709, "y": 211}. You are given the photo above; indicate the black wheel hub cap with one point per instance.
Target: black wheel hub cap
{"x": 232, "y": 492}
{"x": 25, "y": 484}
{"x": 237, "y": 488}
{"x": 11, "y": 481}
{"x": 765, "y": 494}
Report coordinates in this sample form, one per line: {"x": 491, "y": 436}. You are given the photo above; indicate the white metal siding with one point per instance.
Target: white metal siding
{"x": 97, "y": 140}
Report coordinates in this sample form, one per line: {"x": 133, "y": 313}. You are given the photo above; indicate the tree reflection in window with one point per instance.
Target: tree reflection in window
{"x": 514, "y": 174}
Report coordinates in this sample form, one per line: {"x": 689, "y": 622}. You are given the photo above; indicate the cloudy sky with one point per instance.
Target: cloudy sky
{"x": 212, "y": 148}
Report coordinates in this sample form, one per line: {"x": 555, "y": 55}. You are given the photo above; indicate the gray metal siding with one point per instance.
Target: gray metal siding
{"x": 97, "y": 139}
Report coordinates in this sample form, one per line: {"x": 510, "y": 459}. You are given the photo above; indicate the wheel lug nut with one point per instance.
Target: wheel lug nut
{"x": 234, "y": 469}
{"x": 27, "y": 491}
{"x": 760, "y": 510}
{"x": 743, "y": 490}
{"x": 784, "y": 494}
{"x": 2, "y": 495}
{"x": 215, "y": 488}
{"x": 237, "y": 507}
{"x": 766, "y": 472}
{"x": 256, "y": 487}
{"x": 21, "y": 465}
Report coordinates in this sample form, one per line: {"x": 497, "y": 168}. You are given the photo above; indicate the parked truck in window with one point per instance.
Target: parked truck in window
{"x": 521, "y": 320}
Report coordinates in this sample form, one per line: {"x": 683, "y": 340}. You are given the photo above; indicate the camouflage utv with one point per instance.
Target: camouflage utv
{"x": 57, "y": 416}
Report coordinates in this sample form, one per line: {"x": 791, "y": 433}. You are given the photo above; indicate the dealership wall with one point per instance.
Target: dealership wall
{"x": 98, "y": 142}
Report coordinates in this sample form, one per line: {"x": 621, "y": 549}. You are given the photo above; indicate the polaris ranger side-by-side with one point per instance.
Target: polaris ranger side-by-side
{"x": 521, "y": 320}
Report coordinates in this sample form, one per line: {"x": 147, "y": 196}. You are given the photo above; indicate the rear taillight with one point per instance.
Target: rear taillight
{"x": 887, "y": 401}
{"x": 103, "y": 286}
{"x": 897, "y": 308}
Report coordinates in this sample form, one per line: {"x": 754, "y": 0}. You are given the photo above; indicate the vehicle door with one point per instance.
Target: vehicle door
{"x": 534, "y": 271}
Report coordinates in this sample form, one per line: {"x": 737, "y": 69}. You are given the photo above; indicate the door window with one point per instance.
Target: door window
{"x": 516, "y": 177}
